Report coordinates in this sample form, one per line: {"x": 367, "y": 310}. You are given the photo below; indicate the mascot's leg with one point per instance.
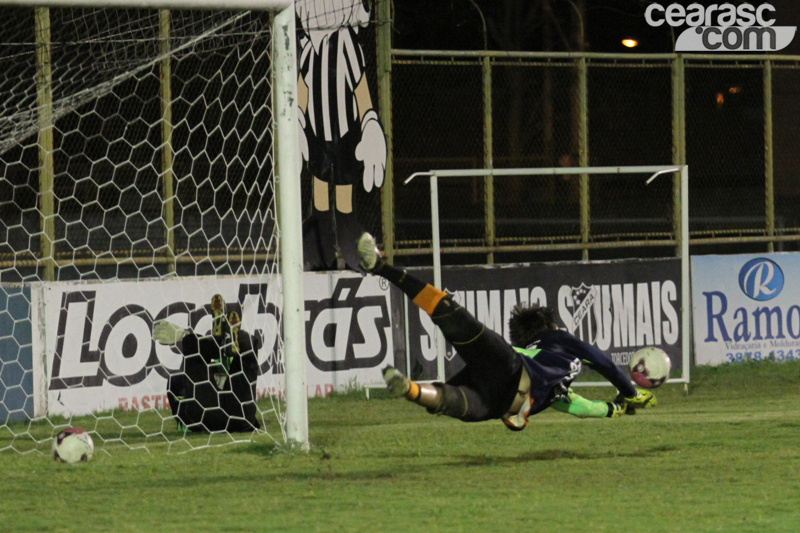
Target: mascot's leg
{"x": 347, "y": 226}
{"x": 319, "y": 237}
{"x": 348, "y": 231}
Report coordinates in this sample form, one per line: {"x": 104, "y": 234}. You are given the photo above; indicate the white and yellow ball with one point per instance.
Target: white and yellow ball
{"x": 650, "y": 367}
{"x": 73, "y": 445}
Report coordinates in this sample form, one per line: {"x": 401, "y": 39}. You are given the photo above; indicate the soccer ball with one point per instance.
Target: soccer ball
{"x": 72, "y": 445}
{"x": 650, "y": 367}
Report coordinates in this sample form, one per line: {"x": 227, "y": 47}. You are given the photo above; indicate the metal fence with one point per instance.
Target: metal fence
{"x": 134, "y": 143}
{"x": 730, "y": 118}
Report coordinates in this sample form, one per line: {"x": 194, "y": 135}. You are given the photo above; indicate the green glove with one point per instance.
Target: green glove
{"x": 165, "y": 332}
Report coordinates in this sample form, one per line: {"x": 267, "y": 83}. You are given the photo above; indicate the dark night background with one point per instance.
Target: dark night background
{"x": 546, "y": 25}
{"x": 630, "y": 118}
{"x": 437, "y": 122}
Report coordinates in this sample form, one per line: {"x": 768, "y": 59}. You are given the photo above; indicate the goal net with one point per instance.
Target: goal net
{"x": 138, "y": 181}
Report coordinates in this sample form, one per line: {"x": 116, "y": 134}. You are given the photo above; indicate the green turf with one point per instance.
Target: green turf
{"x": 724, "y": 458}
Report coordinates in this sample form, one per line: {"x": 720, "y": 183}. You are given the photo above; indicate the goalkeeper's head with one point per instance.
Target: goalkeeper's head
{"x": 527, "y": 322}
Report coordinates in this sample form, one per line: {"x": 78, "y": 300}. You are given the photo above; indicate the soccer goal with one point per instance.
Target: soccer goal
{"x": 148, "y": 163}
{"x": 619, "y": 306}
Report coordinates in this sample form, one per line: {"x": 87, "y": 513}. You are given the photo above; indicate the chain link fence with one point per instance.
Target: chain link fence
{"x": 110, "y": 134}
{"x": 104, "y": 111}
{"x": 728, "y": 117}
{"x": 458, "y": 110}
{"x": 786, "y": 147}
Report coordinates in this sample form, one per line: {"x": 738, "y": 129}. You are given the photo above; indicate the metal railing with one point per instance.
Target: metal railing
{"x": 680, "y": 222}
{"x": 726, "y": 116}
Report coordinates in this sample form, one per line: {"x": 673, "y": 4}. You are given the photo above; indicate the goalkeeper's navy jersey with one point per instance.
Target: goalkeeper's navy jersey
{"x": 555, "y": 358}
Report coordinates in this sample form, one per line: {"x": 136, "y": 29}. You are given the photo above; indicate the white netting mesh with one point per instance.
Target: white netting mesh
{"x": 163, "y": 195}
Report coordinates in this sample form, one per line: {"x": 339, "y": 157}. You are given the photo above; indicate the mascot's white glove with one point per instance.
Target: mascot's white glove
{"x": 302, "y": 141}
{"x": 372, "y": 150}
{"x": 165, "y": 332}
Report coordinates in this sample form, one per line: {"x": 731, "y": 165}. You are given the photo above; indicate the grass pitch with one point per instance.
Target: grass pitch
{"x": 724, "y": 458}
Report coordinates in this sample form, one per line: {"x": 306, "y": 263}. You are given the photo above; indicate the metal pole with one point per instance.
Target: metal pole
{"x": 437, "y": 271}
{"x": 450, "y": 54}
{"x": 44, "y": 100}
{"x": 678, "y": 143}
{"x": 232, "y": 5}
{"x": 552, "y": 171}
{"x": 167, "y": 195}
{"x": 384, "y": 44}
{"x": 583, "y": 152}
{"x": 768, "y": 155}
{"x": 655, "y": 170}
{"x": 488, "y": 192}
{"x": 290, "y": 221}
{"x": 686, "y": 295}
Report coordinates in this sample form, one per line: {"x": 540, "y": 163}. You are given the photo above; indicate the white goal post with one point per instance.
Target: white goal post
{"x": 290, "y": 213}
{"x": 287, "y": 189}
{"x": 653, "y": 170}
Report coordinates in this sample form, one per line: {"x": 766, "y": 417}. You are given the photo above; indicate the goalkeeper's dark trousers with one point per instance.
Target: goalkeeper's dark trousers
{"x": 201, "y": 408}
{"x": 487, "y": 385}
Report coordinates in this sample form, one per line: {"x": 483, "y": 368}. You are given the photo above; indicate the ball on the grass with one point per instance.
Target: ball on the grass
{"x": 650, "y": 367}
{"x": 73, "y": 445}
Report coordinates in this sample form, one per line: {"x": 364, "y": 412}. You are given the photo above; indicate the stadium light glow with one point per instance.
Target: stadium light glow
{"x": 630, "y": 43}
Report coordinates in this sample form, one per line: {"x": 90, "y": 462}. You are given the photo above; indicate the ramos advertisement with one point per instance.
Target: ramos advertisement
{"x": 745, "y": 307}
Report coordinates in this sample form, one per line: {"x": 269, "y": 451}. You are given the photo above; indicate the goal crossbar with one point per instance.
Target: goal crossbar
{"x": 554, "y": 171}
{"x": 654, "y": 170}
{"x": 236, "y": 5}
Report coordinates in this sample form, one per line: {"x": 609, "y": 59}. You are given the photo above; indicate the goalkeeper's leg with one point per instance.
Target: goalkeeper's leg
{"x": 487, "y": 386}
{"x": 176, "y": 391}
{"x": 458, "y": 328}
{"x": 461, "y": 402}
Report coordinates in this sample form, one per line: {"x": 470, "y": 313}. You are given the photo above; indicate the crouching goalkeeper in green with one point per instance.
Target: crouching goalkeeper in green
{"x": 215, "y": 389}
{"x": 510, "y": 382}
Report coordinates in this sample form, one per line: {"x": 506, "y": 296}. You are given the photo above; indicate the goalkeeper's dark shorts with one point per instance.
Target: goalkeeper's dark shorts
{"x": 487, "y": 386}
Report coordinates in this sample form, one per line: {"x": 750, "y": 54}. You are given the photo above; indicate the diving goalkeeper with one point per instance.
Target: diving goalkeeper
{"x": 215, "y": 389}
{"x": 507, "y": 381}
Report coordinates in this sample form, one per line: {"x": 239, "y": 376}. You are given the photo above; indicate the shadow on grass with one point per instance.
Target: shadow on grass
{"x": 268, "y": 476}
{"x": 268, "y": 449}
{"x": 324, "y": 468}
{"x": 555, "y": 455}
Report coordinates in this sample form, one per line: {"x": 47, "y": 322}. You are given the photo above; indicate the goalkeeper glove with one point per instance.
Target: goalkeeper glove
{"x": 165, "y": 332}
